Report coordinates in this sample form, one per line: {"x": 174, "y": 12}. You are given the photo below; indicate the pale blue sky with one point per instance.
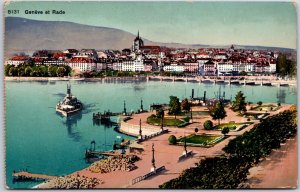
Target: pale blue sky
{"x": 213, "y": 23}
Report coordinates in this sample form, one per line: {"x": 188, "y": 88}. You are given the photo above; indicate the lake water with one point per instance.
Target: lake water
{"x": 41, "y": 141}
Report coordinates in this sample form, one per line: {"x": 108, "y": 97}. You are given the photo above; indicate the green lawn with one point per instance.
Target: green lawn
{"x": 231, "y": 125}
{"x": 167, "y": 121}
{"x": 200, "y": 139}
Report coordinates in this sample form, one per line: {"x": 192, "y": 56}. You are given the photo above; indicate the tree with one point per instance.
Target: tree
{"x": 174, "y": 106}
{"x": 21, "y": 71}
{"x": 208, "y": 125}
{"x": 225, "y": 130}
{"x": 52, "y": 70}
{"x": 60, "y": 72}
{"x": 43, "y": 71}
{"x": 218, "y": 111}
{"x": 243, "y": 73}
{"x": 6, "y": 69}
{"x": 185, "y": 105}
{"x": 239, "y": 103}
{"x": 160, "y": 113}
{"x": 196, "y": 130}
{"x": 12, "y": 71}
{"x": 28, "y": 71}
{"x": 281, "y": 65}
{"x": 172, "y": 140}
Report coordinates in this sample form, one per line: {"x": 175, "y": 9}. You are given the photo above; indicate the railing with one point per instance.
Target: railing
{"x": 146, "y": 137}
{"x": 140, "y": 178}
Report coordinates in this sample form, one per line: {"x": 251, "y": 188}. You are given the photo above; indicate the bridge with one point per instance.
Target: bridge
{"x": 263, "y": 81}
{"x": 24, "y": 175}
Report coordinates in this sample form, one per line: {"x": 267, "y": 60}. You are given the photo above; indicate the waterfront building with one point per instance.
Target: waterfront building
{"x": 174, "y": 67}
{"x": 100, "y": 66}
{"x": 135, "y": 65}
{"x": 191, "y": 67}
{"x": 209, "y": 68}
{"x": 272, "y": 66}
{"x": 247, "y": 67}
{"x": 117, "y": 66}
{"x": 17, "y": 60}
{"x": 53, "y": 61}
{"x": 83, "y": 64}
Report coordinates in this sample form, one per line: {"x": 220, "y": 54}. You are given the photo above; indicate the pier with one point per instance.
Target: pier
{"x": 24, "y": 175}
{"x": 97, "y": 153}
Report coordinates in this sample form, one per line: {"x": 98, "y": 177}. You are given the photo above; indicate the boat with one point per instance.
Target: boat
{"x": 69, "y": 105}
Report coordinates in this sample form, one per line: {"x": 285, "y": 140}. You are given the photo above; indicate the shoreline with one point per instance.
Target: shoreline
{"x": 71, "y": 78}
{"x": 292, "y": 83}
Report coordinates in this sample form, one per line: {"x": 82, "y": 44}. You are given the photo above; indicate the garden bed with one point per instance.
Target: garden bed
{"x": 233, "y": 126}
{"x": 153, "y": 120}
{"x": 269, "y": 107}
{"x": 201, "y": 140}
{"x": 204, "y": 113}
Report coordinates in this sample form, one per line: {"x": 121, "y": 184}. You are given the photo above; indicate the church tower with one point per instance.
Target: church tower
{"x": 137, "y": 43}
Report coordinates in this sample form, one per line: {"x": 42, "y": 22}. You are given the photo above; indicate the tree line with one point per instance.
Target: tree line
{"x": 241, "y": 153}
{"x": 285, "y": 66}
{"x": 37, "y": 70}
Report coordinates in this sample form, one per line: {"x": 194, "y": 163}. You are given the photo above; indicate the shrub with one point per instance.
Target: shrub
{"x": 278, "y": 104}
{"x": 172, "y": 140}
{"x": 208, "y": 125}
{"x": 196, "y": 130}
{"x": 225, "y": 130}
{"x": 259, "y": 103}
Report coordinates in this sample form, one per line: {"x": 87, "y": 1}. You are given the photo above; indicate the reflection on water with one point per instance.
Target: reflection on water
{"x": 281, "y": 94}
{"x": 90, "y": 107}
{"x": 70, "y": 123}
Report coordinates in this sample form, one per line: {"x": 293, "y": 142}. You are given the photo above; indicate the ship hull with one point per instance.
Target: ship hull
{"x": 68, "y": 113}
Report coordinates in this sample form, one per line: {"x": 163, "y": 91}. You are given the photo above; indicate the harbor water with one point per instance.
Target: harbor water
{"x": 41, "y": 141}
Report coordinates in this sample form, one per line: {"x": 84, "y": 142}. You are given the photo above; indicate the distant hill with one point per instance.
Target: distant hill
{"x": 25, "y": 35}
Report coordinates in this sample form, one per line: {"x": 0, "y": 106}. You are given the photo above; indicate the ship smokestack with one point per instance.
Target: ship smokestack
{"x": 192, "y": 94}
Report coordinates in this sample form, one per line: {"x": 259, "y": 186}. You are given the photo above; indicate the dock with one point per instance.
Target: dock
{"x": 24, "y": 175}
{"x": 89, "y": 154}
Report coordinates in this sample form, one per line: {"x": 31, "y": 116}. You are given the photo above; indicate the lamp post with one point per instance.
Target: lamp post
{"x": 142, "y": 107}
{"x": 153, "y": 159}
{"x": 184, "y": 146}
{"x": 124, "y": 110}
{"x": 162, "y": 120}
{"x": 140, "y": 131}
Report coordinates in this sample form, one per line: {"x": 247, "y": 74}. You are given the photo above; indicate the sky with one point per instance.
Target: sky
{"x": 210, "y": 23}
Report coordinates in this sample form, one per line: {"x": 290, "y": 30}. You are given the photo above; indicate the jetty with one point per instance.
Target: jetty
{"x": 25, "y": 175}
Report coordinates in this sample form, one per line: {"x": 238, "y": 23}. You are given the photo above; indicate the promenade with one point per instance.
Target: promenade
{"x": 167, "y": 155}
